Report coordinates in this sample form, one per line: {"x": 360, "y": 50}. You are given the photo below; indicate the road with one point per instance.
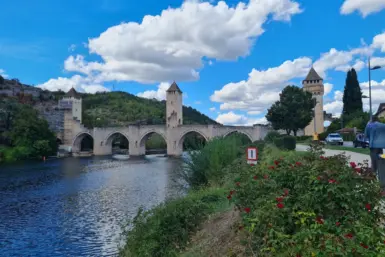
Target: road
{"x": 356, "y": 157}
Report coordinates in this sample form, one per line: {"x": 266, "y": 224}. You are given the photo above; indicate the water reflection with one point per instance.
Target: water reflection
{"x": 75, "y": 207}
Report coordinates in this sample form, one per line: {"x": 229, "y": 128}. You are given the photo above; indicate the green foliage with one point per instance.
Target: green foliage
{"x": 352, "y": 98}
{"x": 382, "y": 119}
{"x": 205, "y": 167}
{"x": 322, "y": 136}
{"x": 304, "y": 204}
{"x": 271, "y": 136}
{"x": 293, "y": 111}
{"x": 156, "y": 141}
{"x": 1, "y": 80}
{"x": 357, "y": 120}
{"x": 289, "y": 142}
{"x": 165, "y": 230}
{"x": 121, "y": 109}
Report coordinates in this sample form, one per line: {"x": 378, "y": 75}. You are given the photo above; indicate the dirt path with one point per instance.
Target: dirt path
{"x": 356, "y": 157}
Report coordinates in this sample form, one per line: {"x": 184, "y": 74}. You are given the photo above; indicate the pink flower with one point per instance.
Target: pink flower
{"x": 353, "y": 165}
{"x": 368, "y": 206}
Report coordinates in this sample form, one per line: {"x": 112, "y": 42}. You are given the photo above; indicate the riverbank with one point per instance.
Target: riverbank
{"x": 290, "y": 204}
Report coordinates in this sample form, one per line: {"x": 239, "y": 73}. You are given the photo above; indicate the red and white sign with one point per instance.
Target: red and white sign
{"x": 252, "y": 155}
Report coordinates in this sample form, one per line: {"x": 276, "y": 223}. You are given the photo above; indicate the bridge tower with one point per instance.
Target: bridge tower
{"x": 174, "y": 106}
{"x": 313, "y": 83}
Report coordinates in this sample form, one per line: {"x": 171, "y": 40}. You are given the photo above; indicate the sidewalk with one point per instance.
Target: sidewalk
{"x": 354, "y": 157}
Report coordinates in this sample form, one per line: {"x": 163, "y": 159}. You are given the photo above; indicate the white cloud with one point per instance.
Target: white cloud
{"x": 197, "y": 102}
{"x": 262, "y": 87}
{"x": 379, "y": 42}
{"x": 327, "y": 88}
{"x": 80, "y": 83}
{"x": 71, "y": 48}
{"x": 212, "y": 109}
{"x": 159, "y": 94}
{"x": 254, "y": 112}
{"x": 230, "y": 118}
{"x": 358, "y": 66}
{"x": 3, "y": 74}
{"x": 377, "y": 61}
{"x": 171, "y": 46}
{"x": 365, "y": 7}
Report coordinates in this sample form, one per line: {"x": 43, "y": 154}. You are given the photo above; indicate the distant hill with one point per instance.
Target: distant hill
{"x": 121, "y": 109}
{"x": 100, "y": 109}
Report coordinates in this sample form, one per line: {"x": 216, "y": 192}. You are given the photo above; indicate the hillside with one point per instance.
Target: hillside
{"x": 121, "y": 108}
{"x": 100, "y": 109}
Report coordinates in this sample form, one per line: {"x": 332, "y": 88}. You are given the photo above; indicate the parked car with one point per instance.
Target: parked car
{"x": 361, "y": 141}
{"x": 334, "y": 139}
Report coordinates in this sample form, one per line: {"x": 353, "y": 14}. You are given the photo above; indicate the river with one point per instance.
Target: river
{"x": 77, "y": 206}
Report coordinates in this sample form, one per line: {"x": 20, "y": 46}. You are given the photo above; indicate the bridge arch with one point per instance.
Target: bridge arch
{"x": 108, "y": 142}
{"x": 239, "y": 132}
{"x": 146, "y": 136}
{"x": 185, "y": 133}
{"x": 78, "y": 144}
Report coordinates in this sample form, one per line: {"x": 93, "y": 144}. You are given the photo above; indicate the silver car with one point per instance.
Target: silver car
{"x": 334, "y": 139}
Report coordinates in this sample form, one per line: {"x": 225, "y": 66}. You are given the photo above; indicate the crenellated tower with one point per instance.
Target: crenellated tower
{"x": 313, "y": 83}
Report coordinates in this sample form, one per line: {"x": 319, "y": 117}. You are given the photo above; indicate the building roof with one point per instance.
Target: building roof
{"x": 174, "y": 88}
{"x": 72, "y": 93}
{"x": 313, "y": 75}
{"x": 381, "y": 108}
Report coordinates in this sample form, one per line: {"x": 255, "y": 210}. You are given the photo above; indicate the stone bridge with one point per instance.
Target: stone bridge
{"x": 174, "y": 137}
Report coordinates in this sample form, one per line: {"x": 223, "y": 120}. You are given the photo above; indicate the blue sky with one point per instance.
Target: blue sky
{"x": 230, "y": 58}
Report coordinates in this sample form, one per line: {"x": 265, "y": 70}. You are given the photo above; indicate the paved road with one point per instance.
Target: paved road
{"x": 356, "y": 157}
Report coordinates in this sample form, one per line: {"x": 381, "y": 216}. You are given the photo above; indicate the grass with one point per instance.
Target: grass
{"x": 348, "y": 149}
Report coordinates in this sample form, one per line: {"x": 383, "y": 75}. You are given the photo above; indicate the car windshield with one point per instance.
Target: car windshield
{"x": 335, "y": 136}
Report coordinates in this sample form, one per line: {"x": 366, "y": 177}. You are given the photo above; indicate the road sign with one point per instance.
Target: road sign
{"x": 252, "y": 155}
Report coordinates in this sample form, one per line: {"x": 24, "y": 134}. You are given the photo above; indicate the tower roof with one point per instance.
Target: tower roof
{"x": 313, "y": 75}
{"x": 72, "y": 93}
{"x": 174, "y": 88}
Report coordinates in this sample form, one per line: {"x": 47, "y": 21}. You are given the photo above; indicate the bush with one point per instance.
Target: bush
{"x": 322, "y": 136}
{"x": 271, "y": 136}
{"x": 205, "y": 167}
{"x": 303, "y": 138}
{"x": 304, "y": 204}
{"x": 165, "y": 230}
{"x": 289, "y": 143}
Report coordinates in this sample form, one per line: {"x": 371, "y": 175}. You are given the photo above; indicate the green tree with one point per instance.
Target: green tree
{"x": 293, "y": 111}
{"x": 352, "y": 98}
{"x": 1, "y": 80}
{"x": 31, "y": 131}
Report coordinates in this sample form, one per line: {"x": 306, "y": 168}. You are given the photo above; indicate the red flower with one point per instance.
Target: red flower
{"x": 279, "y": 199}
{"x": 349, "y": 236}
{"x": 232, "y": 192}
{"x": 271, "y": 168}
{"x": 319, "y": 220}
{"x": 229, "y": 197}
{"x": 276, "y": 162}
{"x": 358, "y": 170}
{"x": 280, "y": 205}
{"x": 368, "y": 206}
{"x": 364, "y": 246}
{"x": 338, "y": 224}
{"x": 247, "y": 209}
{"x": 332, "y": 181}
{"x": 322, "y": 157}
{"x": 238, "y": 183}
{"x": 265, "y": 176}
{"x": 353, "y": 165}
{"x": 255, "y": 177}
{"x": 298, "y": 163}
{"x": 286, "y": 192}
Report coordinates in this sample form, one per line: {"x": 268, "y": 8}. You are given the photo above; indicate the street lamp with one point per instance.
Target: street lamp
{"x": 370, "y": 86}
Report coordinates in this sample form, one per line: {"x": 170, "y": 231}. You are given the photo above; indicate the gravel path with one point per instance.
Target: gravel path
{"x": 356, "y": 157}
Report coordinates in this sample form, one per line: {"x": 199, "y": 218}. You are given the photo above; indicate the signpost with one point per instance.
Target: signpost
{"x": 252, "y": 155}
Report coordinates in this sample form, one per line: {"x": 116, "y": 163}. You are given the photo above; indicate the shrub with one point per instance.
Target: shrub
{"x": 165, "y": 230}
{"x": 271, "y": 136}
{"x": 322, "y": 136}
{"x": 205, "y": 167}
{"x": 304, "y": 204}
{"x": 289, "y": 142}
{"x": 303, "y": 138}
{"x": 278, "y": 142}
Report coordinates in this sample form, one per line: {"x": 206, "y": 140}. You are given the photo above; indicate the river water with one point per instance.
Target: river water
{"x": 77, "y": 206}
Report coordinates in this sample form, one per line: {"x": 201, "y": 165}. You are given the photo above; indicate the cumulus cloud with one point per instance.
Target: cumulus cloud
{"x": 327, "y": 88}
{"x": 230, "y": 118}
{"x": 159, "y": 94}
{"x": 261, "y": 88}
{"x": 365, "y": 7}
{"x": 358, "y": 66}
{"x": 78, "y": 82}
{"x": 3, "y": 74}
{"x": 171, "y": 46}
{"x": 379, "y": 42}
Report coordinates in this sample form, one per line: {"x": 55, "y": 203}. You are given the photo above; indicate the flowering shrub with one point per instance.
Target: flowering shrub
{"x": 305, "y": 204}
